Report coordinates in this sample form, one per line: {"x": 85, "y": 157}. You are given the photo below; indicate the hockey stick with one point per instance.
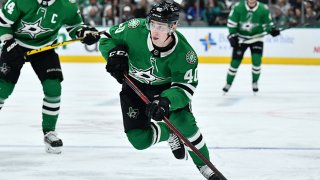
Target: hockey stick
{"x": 53, "y": 46}
{"x": 145, "y": 99}
{"x": 266, "y": 33}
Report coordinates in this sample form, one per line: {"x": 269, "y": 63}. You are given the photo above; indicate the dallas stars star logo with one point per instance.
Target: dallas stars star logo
{"x": 248, "y": 25}
{"x": 33, "y": 29}
{"x": 4, "y": 69}
{"x": 146, "y": 75}
{"x": 133, "y": 113}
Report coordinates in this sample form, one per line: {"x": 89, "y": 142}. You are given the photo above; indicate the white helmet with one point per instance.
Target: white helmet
{"x": 46, "y": 3}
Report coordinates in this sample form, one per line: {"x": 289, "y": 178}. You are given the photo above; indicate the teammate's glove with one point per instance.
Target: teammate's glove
{"x": 90, "y": 35}
{"x": 158, "y": 108}
{"x": 12, "y": 51}
{"x": 274, "y": 32}
{"x": 234, "y": 40}
{"x": 118, "y": 63}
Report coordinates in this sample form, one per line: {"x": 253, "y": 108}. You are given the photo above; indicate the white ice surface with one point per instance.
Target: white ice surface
{"x": 271, "y": 136}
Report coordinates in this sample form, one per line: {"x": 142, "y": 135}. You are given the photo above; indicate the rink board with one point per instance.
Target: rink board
{"x": 293, "y": 46}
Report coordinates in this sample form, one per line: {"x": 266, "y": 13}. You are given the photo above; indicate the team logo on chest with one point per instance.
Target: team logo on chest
{"x": 248, "y": 25}
{"x": 33, "y": 29}
{"x": 146, "y": 75}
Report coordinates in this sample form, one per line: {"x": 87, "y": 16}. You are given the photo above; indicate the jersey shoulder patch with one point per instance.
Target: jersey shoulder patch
{"x": 191, "y": 57}
{"x": 133, "y": 23}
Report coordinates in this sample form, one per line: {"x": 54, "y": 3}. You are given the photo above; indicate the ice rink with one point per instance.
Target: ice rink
{"x": 274, "y": 135}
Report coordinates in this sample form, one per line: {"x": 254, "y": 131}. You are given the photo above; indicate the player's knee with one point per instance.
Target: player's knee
{"x": 52, "y": 87}
{"x": 6, "y": 89}
{"x": 138, "y": 139}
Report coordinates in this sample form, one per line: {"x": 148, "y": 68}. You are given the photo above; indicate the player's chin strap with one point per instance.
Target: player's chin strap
{"x": 46, "y": 3}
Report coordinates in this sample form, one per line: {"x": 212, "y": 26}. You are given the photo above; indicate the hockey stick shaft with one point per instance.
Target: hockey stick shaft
{"x": 265, "y": 34}
{"x": 145, "y": 99}
{"x": 53, "y": 46}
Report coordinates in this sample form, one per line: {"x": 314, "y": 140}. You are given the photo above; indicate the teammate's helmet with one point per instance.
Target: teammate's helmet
{"x": 46, "y": 3}
{"x": 164, "y": 12}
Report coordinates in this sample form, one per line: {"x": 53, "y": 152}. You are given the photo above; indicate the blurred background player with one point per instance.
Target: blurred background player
{"x": 32, "y": 24}
{"x": 163, "y": 65}
{"x": 248, "y": 20}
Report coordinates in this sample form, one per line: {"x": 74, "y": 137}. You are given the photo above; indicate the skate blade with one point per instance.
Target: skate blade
{"x": 53, "y": 150}
{"x": 186, "y": 156}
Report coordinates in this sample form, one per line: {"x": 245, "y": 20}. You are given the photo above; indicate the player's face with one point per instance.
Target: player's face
{"x": 252, "y": 3}
{"x": 159, "y": 32}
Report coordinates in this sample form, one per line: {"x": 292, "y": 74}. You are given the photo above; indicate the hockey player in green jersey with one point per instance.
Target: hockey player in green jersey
{"x": 160, "y": 61}
{"x": 32, "y": 24}
{"x": 248, "y": 20}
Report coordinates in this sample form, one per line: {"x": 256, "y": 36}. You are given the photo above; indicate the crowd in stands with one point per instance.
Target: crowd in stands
{"x": 198, "y": 12}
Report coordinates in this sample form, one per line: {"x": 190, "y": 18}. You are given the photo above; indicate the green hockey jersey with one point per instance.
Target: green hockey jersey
{"x": 177, "y": 66}
{"x": 249, "y": 23}
{"x": 34, "y": 26}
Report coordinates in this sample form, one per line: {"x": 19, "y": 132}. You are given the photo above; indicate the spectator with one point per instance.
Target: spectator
{"x": 107, "y": 17}
{"x": 279, "y": 17}
{"x": 292, "y": 20}
{"x": 211, "y": 12}
{"x": 141, "y": 9}
{"x": 310, "y": 17}
{"x": 283, "y": 5}
{"x": 127, "y": 14}
{"x": 191, "y": 13}
{"x": 92, "y": 13}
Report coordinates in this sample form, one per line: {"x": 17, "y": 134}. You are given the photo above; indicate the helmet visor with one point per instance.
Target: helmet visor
{"x": 159, "y": 27}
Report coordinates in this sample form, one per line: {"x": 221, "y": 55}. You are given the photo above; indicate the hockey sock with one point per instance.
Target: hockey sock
{"x": 51, "y": 104}
{"x": 235, "y": 63}
{"x": 256, "y": 66}
{"x": 144, "y": 138}
{"x": 6, "y": 89}
{"x": 198, "y": 141}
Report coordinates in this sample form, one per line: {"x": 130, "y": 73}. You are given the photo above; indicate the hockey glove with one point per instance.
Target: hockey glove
{"x": 234, "y": 40}
{"x": 158, "y": 108}
{"x": 90, "y": 35}
{"x": 12, "y": 51}
{"x": 118, "y": 63}
{"x": 274, "y": 32}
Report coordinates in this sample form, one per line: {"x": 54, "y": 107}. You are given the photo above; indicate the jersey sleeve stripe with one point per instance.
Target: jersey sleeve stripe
{"x": 6, "y": 20}
{"x": 71, "y": 28}
{"x": 232, "y": 22}
{"x": 187, "y": 88}
{"x": 3, "y": 23}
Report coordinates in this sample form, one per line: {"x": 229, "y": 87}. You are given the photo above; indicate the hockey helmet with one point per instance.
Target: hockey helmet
{"x": 46, "y": 3}
{"x": 164, "y": 12}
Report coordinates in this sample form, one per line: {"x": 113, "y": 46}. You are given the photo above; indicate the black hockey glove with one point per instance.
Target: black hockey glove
{"x": 274, "y": 32}
{"x": 118, "y": 63}
{"x": 234, "y": 40}
{"x": 90, "y": 35}
{"x": 158, "y": 108}
{"x": 12, "y": 51}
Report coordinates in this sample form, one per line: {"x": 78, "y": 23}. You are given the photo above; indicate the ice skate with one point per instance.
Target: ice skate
{"x": 255, "y": 88}
{"x": 52, "y": 143}
{"x": 177, "y": 147}
{"x": 226, "y": 88}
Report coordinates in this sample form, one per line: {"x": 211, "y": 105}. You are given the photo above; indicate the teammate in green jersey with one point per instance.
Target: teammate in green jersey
{"x": 32, "y": 24}
{"x": 248, "y": 20}
{"x": 160, "y": 61}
